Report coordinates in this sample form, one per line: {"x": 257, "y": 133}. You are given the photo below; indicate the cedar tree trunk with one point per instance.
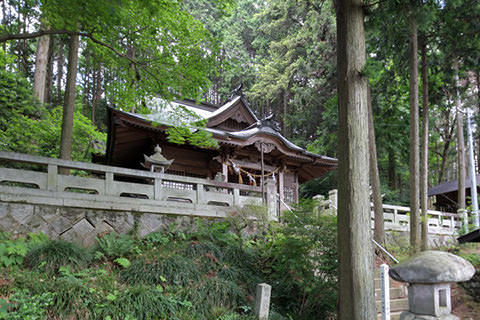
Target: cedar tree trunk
{"x": 41, "y": 63}
{"x": 69, "y": 104}
{"x": 379, "y": 227}
{"x": 424, "y": 151}
{"x": 460, "y": 143}
{"x": 414, "y": 139}
{"x": 356, "y": 292}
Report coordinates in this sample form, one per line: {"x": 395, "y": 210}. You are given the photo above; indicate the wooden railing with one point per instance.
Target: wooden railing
{"x": 106, "y": 187}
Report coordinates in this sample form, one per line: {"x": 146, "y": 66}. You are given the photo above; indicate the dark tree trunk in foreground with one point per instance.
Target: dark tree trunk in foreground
{"x": 424, "y": 153}
{"x": 379, "y": 227}
{"x": 460, "y": 143}
{"x": 69, "y": 104}
{"x": 357, "y": 301}
{"x": 414, "y": 139}
{"x": 59, "y": 70}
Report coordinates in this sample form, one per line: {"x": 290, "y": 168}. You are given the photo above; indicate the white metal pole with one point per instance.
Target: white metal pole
{"x": 473, "y": 174}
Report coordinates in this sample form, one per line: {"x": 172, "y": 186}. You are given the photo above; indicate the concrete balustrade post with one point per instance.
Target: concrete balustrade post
{"x": 262, "y": 301}
{"x": 271, "y": 197}
{"x": 200, "y": 193}
{"x": 52, "y": 178}
{"x": 236, "y": 197}
{"x": 157, "y": 189}
{"x": 109, "y": 190}
{"x": 333, "y": 197}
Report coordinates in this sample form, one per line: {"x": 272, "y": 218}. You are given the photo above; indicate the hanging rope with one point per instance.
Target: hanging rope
{"x": 233, "y": 167}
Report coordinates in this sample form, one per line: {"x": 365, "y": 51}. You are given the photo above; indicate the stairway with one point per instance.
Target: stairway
{"x": 398, "y": 298}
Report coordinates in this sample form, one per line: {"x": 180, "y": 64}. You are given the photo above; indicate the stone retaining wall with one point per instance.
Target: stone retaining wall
{"x": 82, "y": 225}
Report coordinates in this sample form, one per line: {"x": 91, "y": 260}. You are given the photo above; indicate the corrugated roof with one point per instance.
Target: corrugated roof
{"x": 450, "y": 186}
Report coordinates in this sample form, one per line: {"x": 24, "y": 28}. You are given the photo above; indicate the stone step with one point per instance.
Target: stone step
{"x": 395, "y": 305}
{"x": 395, "y": 293}
{"x": 393, "y": 315}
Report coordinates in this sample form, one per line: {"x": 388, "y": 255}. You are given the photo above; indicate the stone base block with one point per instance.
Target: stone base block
{"x": 406, "y": 315}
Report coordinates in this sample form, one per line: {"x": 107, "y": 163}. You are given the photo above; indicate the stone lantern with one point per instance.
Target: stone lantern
{"x": 157, "y": 162}
{"x": 429, "y": 275}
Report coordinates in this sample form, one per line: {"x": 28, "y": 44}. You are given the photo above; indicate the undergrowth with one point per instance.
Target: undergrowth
{"x": 210, "y": 272}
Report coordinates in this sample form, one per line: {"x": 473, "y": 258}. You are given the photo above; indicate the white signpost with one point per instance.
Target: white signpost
{"x": 385, "y": 287}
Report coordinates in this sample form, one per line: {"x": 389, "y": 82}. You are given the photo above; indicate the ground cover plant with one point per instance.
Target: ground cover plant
{"x": 205, "y": 272}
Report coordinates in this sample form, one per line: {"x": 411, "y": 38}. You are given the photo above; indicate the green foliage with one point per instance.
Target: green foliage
{"x": 22, "y": 305}
{"x": 175, "y": 270}
{"x": 143, "y": 302}
{"x": 13, "y": 251}
{"x": 52, "y": 255}
{"x": 123, "y": 262}
{"x": 114, "y": 245}
{"x": 303, "y": 263}
{"x": 215, "y": 292}
{"x": 210, "y": 274}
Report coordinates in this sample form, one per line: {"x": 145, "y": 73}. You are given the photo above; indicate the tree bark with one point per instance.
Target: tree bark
{"x": 98, "y": 91}
{"x": 446, "y": 146}
{"x": 41, "y": 63}
{"x": 392, "y": 174}
{"x": 414, "y": 139}
{"x": 49, "y": 80}
{"x": 460, "y": 143}
{"x": 379, "y": 226}
{"x": 60, "y": 70}
{"x": 69, "y": 104}
{"x": 354, "y": 233}
{"x": 424, "y": 153}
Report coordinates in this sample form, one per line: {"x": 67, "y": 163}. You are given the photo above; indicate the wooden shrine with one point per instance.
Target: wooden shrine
{"x": 241, "y": 137}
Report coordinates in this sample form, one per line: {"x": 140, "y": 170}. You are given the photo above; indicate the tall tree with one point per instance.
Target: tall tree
{"x": 41, "y": 66}
{"x": 354, "y": 236}
{"x": 379, "y": 224}
{"x": 69, "y": 103}
{"x": 460, "y": 141}
{"x": 424, "y": 151}
{"x": 414, "y": 138}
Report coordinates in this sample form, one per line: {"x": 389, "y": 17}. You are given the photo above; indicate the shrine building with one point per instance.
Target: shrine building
{"x": 240, "y": 135}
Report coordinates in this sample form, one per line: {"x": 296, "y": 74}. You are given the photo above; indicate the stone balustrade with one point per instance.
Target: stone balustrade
{"x": 397, "y": 218}
{"x": 36, "y": 180}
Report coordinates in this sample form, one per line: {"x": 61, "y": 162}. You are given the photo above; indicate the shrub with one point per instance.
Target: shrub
{"x": 175, "y": 270}
{"x": 115, "y": 246}
{"x": 13, "y": 251}
{"x": 23, "y": 305}
{"x": 141, "y": 302}
{"x": 301, "y": 263}
{"x": 51, "y": 255}
{"x": 215, "y": 292}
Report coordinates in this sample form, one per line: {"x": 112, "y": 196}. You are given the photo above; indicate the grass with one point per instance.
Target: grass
{"x": 209, "y": 274}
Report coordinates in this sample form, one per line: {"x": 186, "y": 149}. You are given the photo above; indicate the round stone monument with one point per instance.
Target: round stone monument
{"x": 429, "y": 275}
